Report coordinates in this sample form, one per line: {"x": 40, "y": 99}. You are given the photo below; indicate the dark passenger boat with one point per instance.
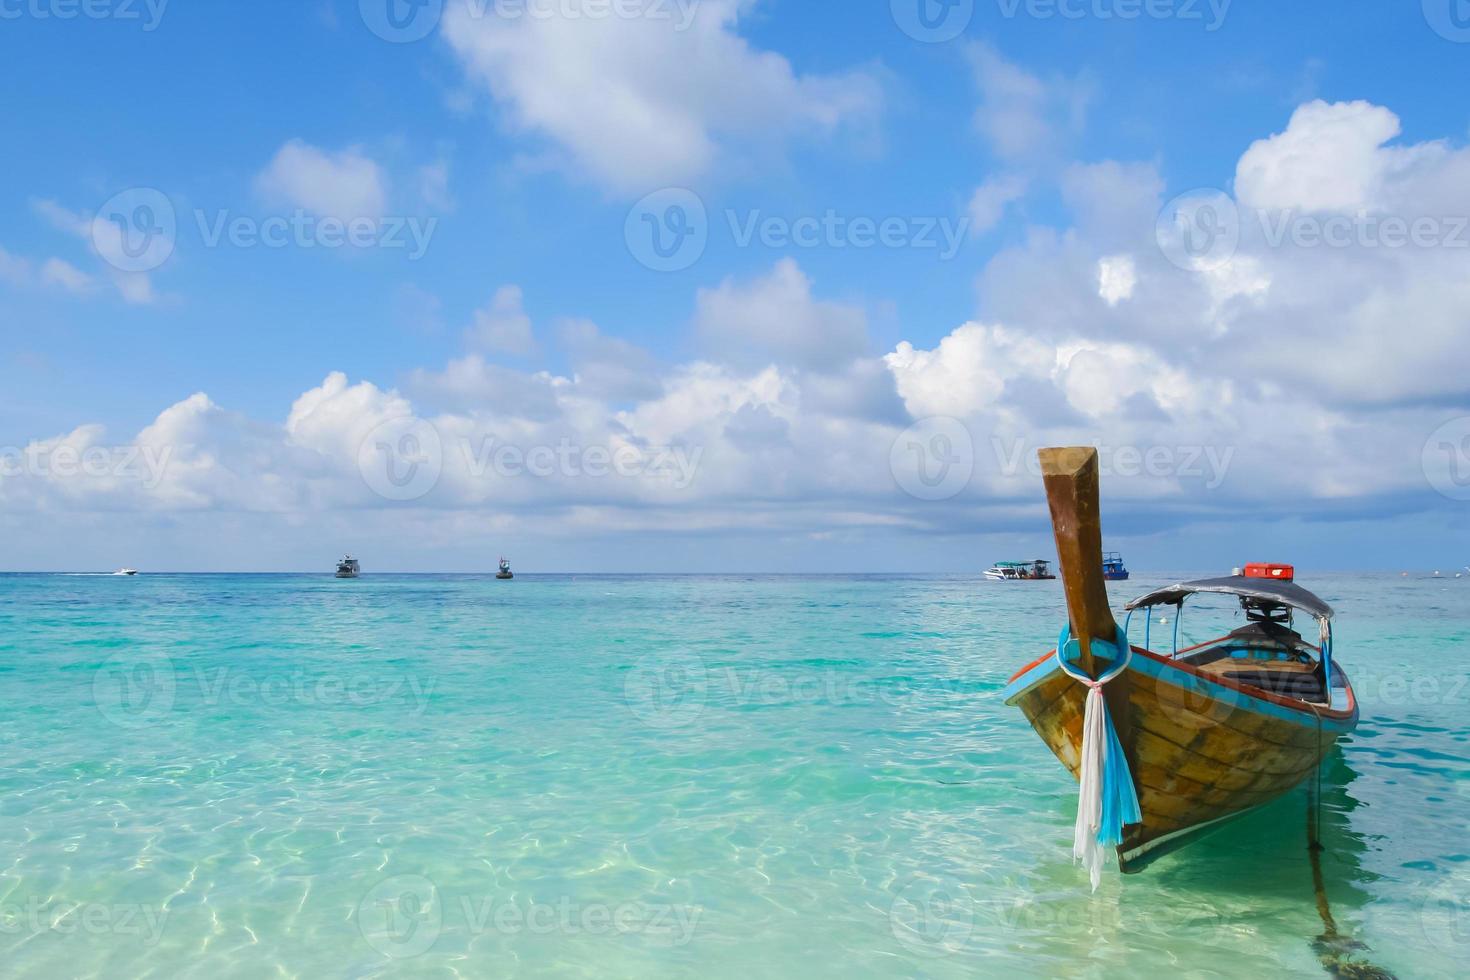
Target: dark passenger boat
{"x": 1113, "y": 568}
{"x": 1168, "y": 745}
{"x": 505, "y": 571}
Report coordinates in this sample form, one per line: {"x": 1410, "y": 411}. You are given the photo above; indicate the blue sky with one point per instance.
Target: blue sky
{"x": 1046, "y": 143}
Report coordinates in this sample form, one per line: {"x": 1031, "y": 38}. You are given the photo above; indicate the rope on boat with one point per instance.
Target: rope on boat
{"x": 1333, "y": 949}
{"x": 1106, "y": 798}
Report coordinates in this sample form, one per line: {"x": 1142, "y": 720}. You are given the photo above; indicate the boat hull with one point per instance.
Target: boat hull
{"x": 1201, "y": 749}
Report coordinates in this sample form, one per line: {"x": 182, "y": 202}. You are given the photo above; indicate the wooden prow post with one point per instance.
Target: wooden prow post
{"x": 1072, "y": 493}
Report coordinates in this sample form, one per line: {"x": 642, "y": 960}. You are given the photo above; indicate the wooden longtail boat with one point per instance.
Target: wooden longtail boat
{"x": 1208, "y": 732}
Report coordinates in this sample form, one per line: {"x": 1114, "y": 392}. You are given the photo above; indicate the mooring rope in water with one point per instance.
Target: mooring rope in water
{"x": 1106, "y": 798}
{"x": 1333, "y": 949}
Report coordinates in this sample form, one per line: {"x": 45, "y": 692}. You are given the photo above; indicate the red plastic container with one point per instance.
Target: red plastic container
{"x": 1284, "y": 573}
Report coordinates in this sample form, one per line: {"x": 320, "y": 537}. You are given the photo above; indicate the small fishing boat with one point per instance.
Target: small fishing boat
{"x": 1113, "y": 568}
{"x": 505, "y": 571}
{"x": 348, "y": 567}
{"x": 1169, "y": 745}
{"x": 1018, "y": 571}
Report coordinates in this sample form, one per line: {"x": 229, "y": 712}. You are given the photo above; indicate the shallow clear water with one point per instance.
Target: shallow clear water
{"x": 244, "y": 776}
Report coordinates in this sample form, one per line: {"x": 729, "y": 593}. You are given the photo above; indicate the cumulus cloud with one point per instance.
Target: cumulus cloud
{"x": 776, "y": 318}
{"x": 640, "y": 102}
{"x": 344, "y": 184}
{"x": 503, "y": 326}
{"x": 1116, "y": 278}
{"x": 991, "y": 199}
{"x": 20, "y": 271}
{"x": 104, "y": 241}
{"x": 58, "y": 272}
{"x": 1021, "y": 115}
{"x": 1345, "y": 356}
{"x": 1330, "y": 158}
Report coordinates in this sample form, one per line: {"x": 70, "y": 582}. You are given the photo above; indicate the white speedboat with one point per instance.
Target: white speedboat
{"x": 1020, "y": 571}
{"x": 126, "y": 571}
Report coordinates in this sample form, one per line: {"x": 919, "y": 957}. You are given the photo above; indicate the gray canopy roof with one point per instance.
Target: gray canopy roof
{"x": 1271, "y": 590}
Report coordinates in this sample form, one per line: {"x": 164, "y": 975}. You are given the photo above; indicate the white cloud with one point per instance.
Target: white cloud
{"x": 14, "y": 269}
{"x": 641, "y": 102}
{"x": 503, "y": 325}
{"x": 608, "y": 367}
{"x": 58, "y": 272}
{"x": 776, "y": 319}
{"x": 345, "y": 184}
{"x": 1348, "y": 357}
{"x": 104, "y": 241}
{"x": 1330, "y": 158}
{"x": 1021, "y": 115}
{"x": 1116, "y": 278}
{"x": 434, "y": 185}
{"x": 989, "y": 202}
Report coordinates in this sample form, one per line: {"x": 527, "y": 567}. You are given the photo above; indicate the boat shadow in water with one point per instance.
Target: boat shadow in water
{"x": 1301, "y": 844}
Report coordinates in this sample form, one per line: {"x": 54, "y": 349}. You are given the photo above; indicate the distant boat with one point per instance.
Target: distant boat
{"x": 1113, "y": 568}
{"x": 126, "y": 571}
{"x": 1018, "y": 571}
{"x": 505, "y": 571}
{"x": 348, "y": 567}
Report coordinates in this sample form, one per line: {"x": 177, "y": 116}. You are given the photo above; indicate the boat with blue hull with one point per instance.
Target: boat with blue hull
{"x": 1113, "y": 568}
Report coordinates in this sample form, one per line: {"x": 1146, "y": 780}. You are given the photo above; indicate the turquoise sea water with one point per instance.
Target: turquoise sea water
{"x": 253, "y": 776}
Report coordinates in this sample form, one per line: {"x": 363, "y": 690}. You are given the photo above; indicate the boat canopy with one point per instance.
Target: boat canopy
{"x": 1267, "y": 590}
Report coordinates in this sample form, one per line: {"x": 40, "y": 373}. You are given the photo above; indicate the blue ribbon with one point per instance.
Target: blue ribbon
{"x": 1119, "y": 797}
